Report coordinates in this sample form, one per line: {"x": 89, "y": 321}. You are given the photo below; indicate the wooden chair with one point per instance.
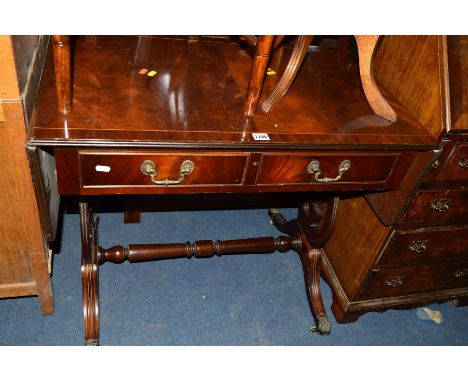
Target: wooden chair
{"x": 264, "y": 45}
{"x": 63, "y": 75}
{"x": 63, "y": 79}
{"x": 366, "y": 49}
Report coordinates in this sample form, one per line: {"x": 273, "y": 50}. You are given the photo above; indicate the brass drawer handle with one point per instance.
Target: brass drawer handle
{"x": 441, "y": 205}
{"x": 148, "y": 168}
{"x": 314, "y": 168}
{"x": 463, "y": 162}
{"x": 395, "y": 281}
{"x": 418, "y": 245}
{"x": 461, "y": 273}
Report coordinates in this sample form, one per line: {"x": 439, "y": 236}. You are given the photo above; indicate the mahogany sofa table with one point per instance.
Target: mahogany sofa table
{"x": 182, "y": 130}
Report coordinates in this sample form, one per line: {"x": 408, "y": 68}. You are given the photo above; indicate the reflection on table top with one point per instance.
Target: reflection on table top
{"x": 196, "y": 98}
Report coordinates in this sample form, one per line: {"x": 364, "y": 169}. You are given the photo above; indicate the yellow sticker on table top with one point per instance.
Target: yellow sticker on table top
{"x": 152, "y": 73}
{"x": 270, "y": 72}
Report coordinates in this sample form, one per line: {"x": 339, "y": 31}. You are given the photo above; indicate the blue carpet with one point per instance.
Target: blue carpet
{"x": 229, "y": 300}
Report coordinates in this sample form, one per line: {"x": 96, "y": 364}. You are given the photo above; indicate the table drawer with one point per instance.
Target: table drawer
{"x": 126, "y": 169}
{"x": 427, "y": 245}
{"x": 326, "y": 168}
{"x": 423, "y": 278}
{"x": 439, "y": 207}
{"x": 119, "y": 171}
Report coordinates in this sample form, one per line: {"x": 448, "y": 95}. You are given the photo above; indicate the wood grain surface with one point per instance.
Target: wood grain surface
{"x": 197, "y": 96}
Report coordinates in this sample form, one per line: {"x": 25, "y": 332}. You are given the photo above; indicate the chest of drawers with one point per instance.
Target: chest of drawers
{"x": 421, "y": 259}
{"x": 409, "y": 247}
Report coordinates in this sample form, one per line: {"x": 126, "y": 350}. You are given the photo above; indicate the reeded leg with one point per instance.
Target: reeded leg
{"x": 89, "y": 274}
{"x": 316, "y": 220}
{"x": 310, "y": 258}
{"x": 289, "y": 227}
{"x": 299, "y": 53}
{"x": 257, "y": 75}
{"x": 311, "y": 229}
{"x": 366, "y": 49}
{"x": 62, "y": 65}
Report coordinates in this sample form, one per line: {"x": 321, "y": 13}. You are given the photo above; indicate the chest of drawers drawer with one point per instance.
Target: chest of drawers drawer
{"x": 452, "y": 166}
{"x": 425, "y": 246}
{"x": 423, "y": 278}
{"x": 437, "y": 208}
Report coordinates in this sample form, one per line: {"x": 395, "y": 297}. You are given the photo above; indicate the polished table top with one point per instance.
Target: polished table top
{"x": 195, "y": 99}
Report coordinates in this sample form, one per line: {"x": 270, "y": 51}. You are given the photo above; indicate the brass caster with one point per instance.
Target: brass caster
{"x": 323, "y": 328}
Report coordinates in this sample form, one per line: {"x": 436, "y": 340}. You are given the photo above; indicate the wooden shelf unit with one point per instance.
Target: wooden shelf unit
{"x": 25, "y": 259}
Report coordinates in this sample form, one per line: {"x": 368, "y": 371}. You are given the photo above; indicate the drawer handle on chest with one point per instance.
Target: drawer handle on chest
{"x": 441, "y": 205}
{"x": 418, "y": 245}
{"x": 395, "y": 281}
{"x": 463, "y": 162}
{"x": 461, "y": 273}
{"x": 314, "y": 168}
{"x": 148, "y": 168}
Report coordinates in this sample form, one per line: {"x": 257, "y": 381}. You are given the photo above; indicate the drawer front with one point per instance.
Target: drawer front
{"x": 119, "y": 171}
{"x": 423, "y": 246}
{"x": 423, "y": 278}
{"x": 454, "y": 166}
{"x": 150, "y": 169}
{"x": 439, "y": 207}
{"x": 326, "y": 168}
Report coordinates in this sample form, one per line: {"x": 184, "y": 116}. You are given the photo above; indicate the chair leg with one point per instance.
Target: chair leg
{"x": 62, "y": 65}
{"x": 277, "y": 41}
{"x": 366, "y": 49}
{"x": 257, "y": 75}
{"x": 300, "y": 51}
{"x": 344, "y": 59}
